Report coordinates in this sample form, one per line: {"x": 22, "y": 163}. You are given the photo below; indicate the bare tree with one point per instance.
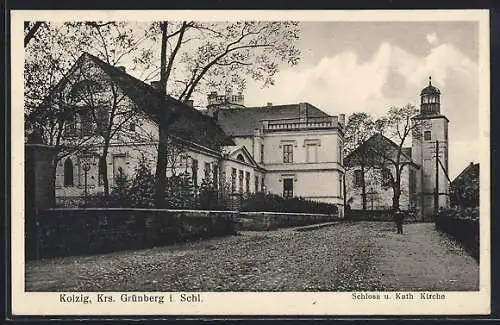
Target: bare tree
{"x": 215, "y": 55}
{"x": 398, "y": 126}
{"x": 359, "y": 128}
{"x": 84, "y": 92}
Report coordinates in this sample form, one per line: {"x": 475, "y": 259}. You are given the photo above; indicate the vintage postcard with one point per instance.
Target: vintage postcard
{"x": 250, "y": 162}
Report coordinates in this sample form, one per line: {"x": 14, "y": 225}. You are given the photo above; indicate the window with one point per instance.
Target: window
{"x": 194, "y": 172}
{"x": 288, "y": 153}
{"x": 386, "y": 177}
{"x": 102, "y": 119}
{"x": 427, "y": 135}
{"x": 215, "y": 174}
{"x": 247, "y": 182}
{"x": 233, "y": 180}
{"x": 86, "y": 123}
{"x": 240, "y": 157}
{"x": 261, "y": 153}
{"x": 358, "y": 177}
{"x": 312, "y": 153}
{"x": 102, "y": 168}
{"x": 131, "y": 127}
{"x": 68, "y": 172}
{"x": 262, "y": 185}
{"x": 288, "y": 187}
{"x": 240, "y": 181}
{"x": 256, "y": 184}
{"x": 71, "y": 125}
{"x": 207, "y": 170}
{"x": 119, "y": 166}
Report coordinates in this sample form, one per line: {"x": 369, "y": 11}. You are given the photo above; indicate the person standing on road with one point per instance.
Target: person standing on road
{"x": 398, "y": 219}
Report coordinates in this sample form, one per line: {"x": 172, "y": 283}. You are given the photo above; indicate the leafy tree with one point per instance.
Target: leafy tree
{"x": 464, "y": 191}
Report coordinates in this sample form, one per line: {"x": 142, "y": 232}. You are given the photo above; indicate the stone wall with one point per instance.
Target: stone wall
{"x": 64, "y": 232}
{"x": 275, "y": 220}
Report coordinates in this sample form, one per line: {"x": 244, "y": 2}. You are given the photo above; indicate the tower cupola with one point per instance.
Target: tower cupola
{"x": 430, "y": 100}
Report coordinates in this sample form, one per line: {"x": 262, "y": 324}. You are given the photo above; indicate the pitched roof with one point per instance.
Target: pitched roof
{"x": 186, "y": 122}
{"x": 243, "y": 121}
{"x": 470, "y": 171}
{"x": 352, "y": 159}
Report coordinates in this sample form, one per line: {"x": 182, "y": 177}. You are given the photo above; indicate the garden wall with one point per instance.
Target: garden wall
{"x": 64, "y": 232}
{"x": 376, "y": 215}
{"x": 275, "y": 220}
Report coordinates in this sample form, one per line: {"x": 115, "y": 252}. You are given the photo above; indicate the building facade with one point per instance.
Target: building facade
{"x": 365, "y": 169}
{"x": 277, "y": 149}
{"x": 293, "y": 145}
{"x": 430, "y": 151}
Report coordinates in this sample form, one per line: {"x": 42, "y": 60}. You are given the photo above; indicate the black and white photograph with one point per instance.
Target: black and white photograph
{"x": 279, "y": 163}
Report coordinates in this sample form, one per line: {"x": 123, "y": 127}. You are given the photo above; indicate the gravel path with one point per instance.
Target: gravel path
{"x": 362, "y": 256}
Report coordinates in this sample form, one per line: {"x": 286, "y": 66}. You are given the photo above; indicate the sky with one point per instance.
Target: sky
{"x": 349, "y": 67}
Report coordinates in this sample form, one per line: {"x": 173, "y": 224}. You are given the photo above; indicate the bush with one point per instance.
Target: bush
{"x": 261, "y": 202}
{"x": 141, "y": 191}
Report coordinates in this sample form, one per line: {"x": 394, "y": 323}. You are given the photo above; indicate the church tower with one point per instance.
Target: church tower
{"x": 430, "y": 151}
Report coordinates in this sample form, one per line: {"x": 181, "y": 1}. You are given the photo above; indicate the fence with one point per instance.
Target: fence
{"x": 464, "y": 230}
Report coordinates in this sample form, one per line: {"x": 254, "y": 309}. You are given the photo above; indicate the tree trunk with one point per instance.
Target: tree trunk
{"x": 105, "y": 180}
{"x": 161, "y": 161}
{"x": 396, "y": 196}
{"x": 161, "y": 168}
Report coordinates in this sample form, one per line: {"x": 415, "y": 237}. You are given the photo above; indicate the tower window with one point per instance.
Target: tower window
{"x": 427, "y": 135}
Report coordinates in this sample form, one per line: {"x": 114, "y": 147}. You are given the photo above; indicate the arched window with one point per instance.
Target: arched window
{"x": 240, "y": 157}
{"x": 68, "y": 172}
{"x": 102, "y": 167}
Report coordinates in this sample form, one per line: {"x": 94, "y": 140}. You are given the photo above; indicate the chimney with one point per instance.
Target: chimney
{"x": 269, "y": 104}
{"x": 342, "y": 119}
{"x": 190, "y": 103}
{"x": 302, "y": 111}
{"x": 121, "y": 68}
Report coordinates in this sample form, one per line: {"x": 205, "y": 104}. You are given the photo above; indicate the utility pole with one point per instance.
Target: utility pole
{"x": 436, "y": 189}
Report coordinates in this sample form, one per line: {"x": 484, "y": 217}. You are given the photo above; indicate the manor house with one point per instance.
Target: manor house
{"x": 289, "y": 150}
